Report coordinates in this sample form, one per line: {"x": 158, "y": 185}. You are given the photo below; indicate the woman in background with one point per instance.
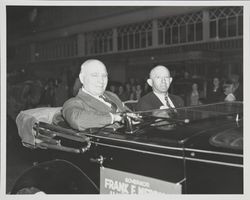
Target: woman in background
{"x": 215, "y": 93}
{"x": 121, "y": 93}
{"x": 194, "y": 97}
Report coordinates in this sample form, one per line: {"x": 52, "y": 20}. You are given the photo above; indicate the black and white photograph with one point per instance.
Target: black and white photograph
{"x": 123, "y": 98}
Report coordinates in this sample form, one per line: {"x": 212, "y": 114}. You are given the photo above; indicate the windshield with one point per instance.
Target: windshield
{"x": 187, "y": 114}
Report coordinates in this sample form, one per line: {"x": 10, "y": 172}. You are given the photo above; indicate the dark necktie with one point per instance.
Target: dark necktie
{"x": 113, "y": 105}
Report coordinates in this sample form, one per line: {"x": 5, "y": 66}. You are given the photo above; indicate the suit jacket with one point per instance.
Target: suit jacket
{"x": 150, "y": 101}
{"x": 84, "y": 111}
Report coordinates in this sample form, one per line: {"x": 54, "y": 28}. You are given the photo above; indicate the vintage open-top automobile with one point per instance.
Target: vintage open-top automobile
{"x": 189, "y": 150}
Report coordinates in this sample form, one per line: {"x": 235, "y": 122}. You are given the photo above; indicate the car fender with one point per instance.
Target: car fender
{"x": 54, "y": 177}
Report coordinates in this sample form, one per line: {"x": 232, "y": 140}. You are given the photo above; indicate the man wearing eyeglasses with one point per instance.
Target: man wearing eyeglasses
{"x": 159, "y": 98}
{"x": 93, "y": 106}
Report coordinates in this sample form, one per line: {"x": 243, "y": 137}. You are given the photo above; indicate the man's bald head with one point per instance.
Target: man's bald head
{"x": 94, "y": 76}
{"x": 92, "y": 65}
{"x": 159, "y": 79}
{"x": 158, "y": 70}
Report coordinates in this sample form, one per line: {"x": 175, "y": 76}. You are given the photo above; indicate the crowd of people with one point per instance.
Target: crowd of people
{"x": 94, "y": 102}
{"x": 131, "y": 90}
{"x": 28, "y": 93}
{"x": 217, "y": 90}
{"x": 230, "y": 89}
{"x": 54, "y": 92}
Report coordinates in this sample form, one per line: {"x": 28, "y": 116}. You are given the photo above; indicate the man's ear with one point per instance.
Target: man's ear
{"x": 149, "y": 81}
{"x": 81, "y": 78}
{"x": 170, "y": 80}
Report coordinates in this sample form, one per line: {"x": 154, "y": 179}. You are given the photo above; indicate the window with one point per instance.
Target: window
{"x": 160, "y": 36}
{"x": 183, "y": 33}
{"x": 222, "y": 28}
{"x": 131, "y": 41}
{"x": 99, "y": 42}
{"x": 212, "y": 28}
{"x": 226, "y": 22}
{"x": 190, "y": 32}
{"x": 180, "y": 29}
{"x": 240, "y": 25}
{"x": 168, "y": 35}
{"x": 125, "y": 42}
{"x": 198, "y": 31}
{"x": 59, "y": 48}
{"x": 175, "y": 35}
{"x": 135, "y": 36}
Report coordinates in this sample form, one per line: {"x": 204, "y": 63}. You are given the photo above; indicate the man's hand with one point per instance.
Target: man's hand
{"x": 117, "y": 117}
{"x": 134, "y": 116}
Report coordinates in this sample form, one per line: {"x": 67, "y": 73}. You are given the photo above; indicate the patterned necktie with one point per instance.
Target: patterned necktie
{"x": 167, "y": 102}
{"x": 171, "y": 110}
{"x": 113, "y": 105}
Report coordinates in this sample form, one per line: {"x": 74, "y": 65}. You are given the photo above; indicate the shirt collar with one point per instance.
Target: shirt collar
{"x": 84, "y": 90}
{"x": 160, "y": 95}
{"x": 162, "y": 98}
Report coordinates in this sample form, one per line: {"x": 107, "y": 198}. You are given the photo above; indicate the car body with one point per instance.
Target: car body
{"x": 189, "y": 150}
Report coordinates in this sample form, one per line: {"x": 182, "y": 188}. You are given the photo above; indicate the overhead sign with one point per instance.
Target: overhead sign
{"x": 119, "y": 182}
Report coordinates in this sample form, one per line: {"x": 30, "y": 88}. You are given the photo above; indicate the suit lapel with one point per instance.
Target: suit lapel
{"x": 156, "y": 101}
{"x": 115, "y": 100}
{"x": 93, "y": 102}
{"x": 174, "y": 100}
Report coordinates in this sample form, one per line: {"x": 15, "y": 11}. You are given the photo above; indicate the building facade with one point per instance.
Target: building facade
{"x": 205, "y": 41}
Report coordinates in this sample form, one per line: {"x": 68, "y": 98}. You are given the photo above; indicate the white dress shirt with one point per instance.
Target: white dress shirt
{"x": 163, "y": 101}
{"x": 230, "y": 97}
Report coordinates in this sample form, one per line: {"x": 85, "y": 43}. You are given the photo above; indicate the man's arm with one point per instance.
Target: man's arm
{"x": 143, "y": 106}
{"x": 81, "y": 118}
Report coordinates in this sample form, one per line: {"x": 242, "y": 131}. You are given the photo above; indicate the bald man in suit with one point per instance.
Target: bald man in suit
{"x": 93, "y": 106}
{"x": 159, "y": 98}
